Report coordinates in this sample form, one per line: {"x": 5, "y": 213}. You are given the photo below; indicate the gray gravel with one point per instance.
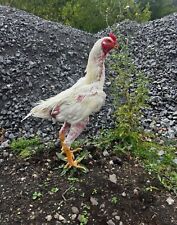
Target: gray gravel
{"x": 153, "y": 47}
{"x": 39, "y": 59}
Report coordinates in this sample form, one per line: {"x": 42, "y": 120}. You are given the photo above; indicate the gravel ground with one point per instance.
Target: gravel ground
{"x": 39, "y": 59}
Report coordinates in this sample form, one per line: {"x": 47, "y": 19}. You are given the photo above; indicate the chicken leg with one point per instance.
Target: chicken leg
{"x": 74, "y": 132}
{"x": 62, "y": 133}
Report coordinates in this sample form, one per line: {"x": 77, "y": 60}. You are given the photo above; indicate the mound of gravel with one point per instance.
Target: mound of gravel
{"x": 39, "y": 59}
{"x": 153, "y": 47}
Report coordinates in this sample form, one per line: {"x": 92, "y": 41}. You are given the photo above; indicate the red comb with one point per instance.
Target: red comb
{"x": 113, "y": 36}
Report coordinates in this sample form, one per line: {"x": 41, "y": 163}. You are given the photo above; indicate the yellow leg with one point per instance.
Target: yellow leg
{"x": 70, "y": 157}
{"x": 67, "y": 151}
{"x": 62, "y": 139}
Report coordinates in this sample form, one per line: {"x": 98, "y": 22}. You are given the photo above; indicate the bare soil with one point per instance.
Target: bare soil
{"x": 132, "y": 197}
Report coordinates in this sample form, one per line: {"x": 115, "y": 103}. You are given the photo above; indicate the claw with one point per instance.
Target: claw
{"x": 72, "y": 151}
{"x": 73, "y": 164}
{"x": 76, "y": 165}
{"x": 70, "y": 157}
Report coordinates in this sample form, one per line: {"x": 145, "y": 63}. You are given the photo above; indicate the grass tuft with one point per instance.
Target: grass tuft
{"x": 25, "y": 148}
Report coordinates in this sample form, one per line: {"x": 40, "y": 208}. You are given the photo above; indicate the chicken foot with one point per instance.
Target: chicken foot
{"x": 70, "y": 158}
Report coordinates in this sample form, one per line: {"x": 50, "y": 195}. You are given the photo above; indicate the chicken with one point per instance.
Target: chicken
{"x": 74, "y": 105}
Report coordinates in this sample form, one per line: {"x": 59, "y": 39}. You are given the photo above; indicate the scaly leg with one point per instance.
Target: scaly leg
{"x": 62, "y": 133}
{"x": 74, "y": 132}
{"x": 65, "y": 149}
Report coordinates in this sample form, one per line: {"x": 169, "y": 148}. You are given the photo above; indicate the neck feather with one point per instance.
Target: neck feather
{"x": 95, "y": 71}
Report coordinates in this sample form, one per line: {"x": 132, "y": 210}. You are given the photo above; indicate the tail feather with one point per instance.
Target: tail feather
{"x": 43, "y": 108}
{"x": 29, "y": 114}
{"x": 40, "y": 111}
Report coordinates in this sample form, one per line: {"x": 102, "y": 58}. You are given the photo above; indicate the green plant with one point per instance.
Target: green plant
{"x": 162, "y": 166}
{"x": 36, "y": 195}
{"x": 130, "y": 96}
{"x": 73, "y": 179}
{"x": 114, "y": 200}
{"x": 82, "y": 194}
{"x": 84, "y": 215}
{"x": 26, "y": 147}
{"x": 84, "y": 218}
{"x": 151, "y": 188}
{"x": 160, "y": 8}
{"x": 95, "y": 191}
{"x": 54, "y": 190}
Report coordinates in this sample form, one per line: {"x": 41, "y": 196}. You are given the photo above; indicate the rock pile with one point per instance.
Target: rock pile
{"x": 154, "y": 49}
{"x": 39, "y": 59}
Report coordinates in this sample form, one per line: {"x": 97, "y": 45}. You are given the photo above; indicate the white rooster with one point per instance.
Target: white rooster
{"x": 74, "y": 105}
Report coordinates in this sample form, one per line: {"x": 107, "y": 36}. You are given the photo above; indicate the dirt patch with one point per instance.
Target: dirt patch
{"x": 114, "y": 191}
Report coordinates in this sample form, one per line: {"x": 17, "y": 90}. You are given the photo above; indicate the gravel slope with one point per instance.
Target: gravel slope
{"x": 38, "y": 59}
{"x": 154, "y": 49}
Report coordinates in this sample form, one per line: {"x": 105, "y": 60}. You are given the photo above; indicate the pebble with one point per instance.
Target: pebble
{"x": 56, "y": 216}
{"x": 161, "y": 152}
{"x": 5, "y": 144}
{"x": 175, "y": 160}
{"x": 73, "y": 216}
{"x": 102, "y": 206}
{"x": 5, "y": 154}
{"x": 124, "y": 194}
{"x": 110, "y": 222}
{"x": 94, "y": 201}
{"x": 58, "y": 223}
{"x": 48, "y": 218}
{"x": 105, "y": 153}
{"x": 117, "y": 218}
{"x": 75, "y": 210}
{"x": 11, "y": 136}
{"x": 170, "y": 201}
{"x": 10, "y": 155}
{"x": 136, "y": 191}
{"x": 61, "y": 218}
{"x": 111, "y": 162}
{"x": 113, "y": 178}
{"x": 79, "y": 218}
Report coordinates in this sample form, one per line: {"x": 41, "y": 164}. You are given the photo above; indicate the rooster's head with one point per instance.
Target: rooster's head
{"x": 109, "y": 43}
